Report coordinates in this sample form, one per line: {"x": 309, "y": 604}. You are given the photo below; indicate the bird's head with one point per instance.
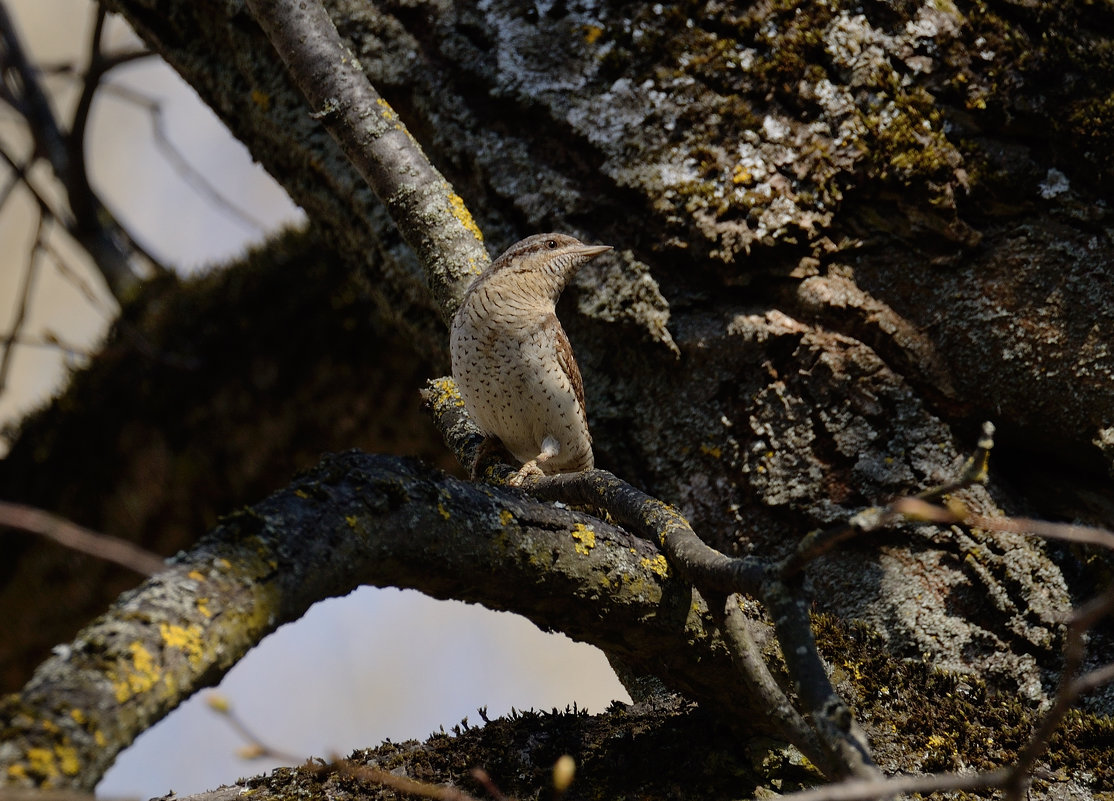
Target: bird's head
{"x": 544, "y": 261}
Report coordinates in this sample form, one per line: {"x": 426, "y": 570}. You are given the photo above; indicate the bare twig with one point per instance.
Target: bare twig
{"x": 20, "y": 172}
{"x": 481, "y": 776}
{"x": 20, "y": 794}
{"x": 26, "y": 290}
{"x": 400, "y": 784}
{"x": 915, "y": 510}
{"x": 98, "y": 66}
{"x": 1067, "y": 692}
{"x": 889, "y": 787}
{"x": 1071, "y": 685}
{"x": 91, "y": 223}
{"x": 258, "y": 749}
{"x": 761, "y": 683}
{"x": 431, "y": 217}
{"x": 189, "y": 173}
{"x": 51, "y": 341}
{"x": 75, "y": 537}
{"x": 1015, "y": 779}
{"x": 818, "y": 543}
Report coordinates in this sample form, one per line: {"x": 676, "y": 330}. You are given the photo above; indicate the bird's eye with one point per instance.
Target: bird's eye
{"x": 551, "y": 244}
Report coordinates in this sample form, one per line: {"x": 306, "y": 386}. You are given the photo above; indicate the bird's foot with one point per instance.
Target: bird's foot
{"x": 529, "y": 469}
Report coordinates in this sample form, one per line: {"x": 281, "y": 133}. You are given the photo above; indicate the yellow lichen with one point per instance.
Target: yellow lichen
{"x": 592, "y": 33}
{"x": 196, "y": 575}
{"x": 505, "y": 517}
{"x": 41, "y": 762}
{"x": 447, "y": 392}
{"x": 351, "y": 520}
{"x": 17, "y": 771}
{"x": 203, "y": 607}
{"x": 711, "y": 450}
{"x": 854, "y": 670}
{"x": 139, "y": 676}
{"x": 585, "y": 537}
{"x": 461, "y": 213}
{"x": 441, "y": 510}
{"x": 656, "y": 565}
{"x": 187, "y": 639}
{"x": 68, "y": 762}
{"x": 741, "y": 175}
{"x": 261, "y": 99}
{"x": 387, "y": 112}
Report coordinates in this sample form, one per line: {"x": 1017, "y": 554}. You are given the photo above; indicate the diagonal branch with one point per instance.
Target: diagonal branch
{"x": 70, "y": 535}
{"x": 430, "y": 215}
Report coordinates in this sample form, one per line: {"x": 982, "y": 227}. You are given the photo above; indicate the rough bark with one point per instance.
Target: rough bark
{"x": 355, "y": 519}
{"x": 845, "y": 234}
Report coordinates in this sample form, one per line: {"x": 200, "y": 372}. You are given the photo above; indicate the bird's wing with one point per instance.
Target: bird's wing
{"x": 567, "y": 362}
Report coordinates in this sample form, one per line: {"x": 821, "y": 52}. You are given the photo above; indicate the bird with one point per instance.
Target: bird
{"x": 512, "y": 361}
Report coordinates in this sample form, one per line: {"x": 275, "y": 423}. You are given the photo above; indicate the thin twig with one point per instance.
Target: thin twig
{"x": 401, "y": 784}
{"x": 761, "y": 683}
{"x": 916, "y": 510}
{"x": 860, "y": 790}
{"x": 192, "y": 176}
{"x": 51, "y": 341}
{"x": 1069, "y": 689}
{"x": 25, "y": 292}
{"x": 92, "y": 225}
{"x": 40, "y": 199}
{"x": 818, "y": 543}
{"x": 77, "y": 538}
{"x": 258, "y": 749}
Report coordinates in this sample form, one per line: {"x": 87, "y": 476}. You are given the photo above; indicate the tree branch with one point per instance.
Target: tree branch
{"x": 845, "y": 747}
{"x": 70, "y": 535}
{"x": 430, "y": 215}
{"x": 354, "y": 519}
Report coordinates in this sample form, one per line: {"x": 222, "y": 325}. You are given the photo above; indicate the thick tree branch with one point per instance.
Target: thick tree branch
{"x": 844, "y": 746}
{"x": 355, "y": 519}
{"x": 431, "y": 216}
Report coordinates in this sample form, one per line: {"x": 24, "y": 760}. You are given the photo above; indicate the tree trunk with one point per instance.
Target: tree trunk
{"x": 844, "y": 237}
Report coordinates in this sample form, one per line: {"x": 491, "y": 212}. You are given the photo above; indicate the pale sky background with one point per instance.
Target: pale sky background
{"x": 378, "y": 664}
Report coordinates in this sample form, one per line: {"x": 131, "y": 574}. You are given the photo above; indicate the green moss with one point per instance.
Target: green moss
{"x": 1090, "y": 125}
{"x": 667, "y": 750}
{"x": 931, "y": 720}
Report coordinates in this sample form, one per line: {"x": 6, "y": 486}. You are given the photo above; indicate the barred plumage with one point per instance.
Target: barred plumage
{"x": 512, "y": 360}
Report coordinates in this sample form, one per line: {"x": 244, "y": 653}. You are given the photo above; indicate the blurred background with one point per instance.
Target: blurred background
{"x": 354, "y": 671}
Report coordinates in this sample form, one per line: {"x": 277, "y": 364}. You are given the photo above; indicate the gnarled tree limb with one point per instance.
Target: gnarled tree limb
{"x": 355, "y": 519}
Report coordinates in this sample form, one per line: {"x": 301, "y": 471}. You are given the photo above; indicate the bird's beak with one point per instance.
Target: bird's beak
{"x": 592, "y": 250}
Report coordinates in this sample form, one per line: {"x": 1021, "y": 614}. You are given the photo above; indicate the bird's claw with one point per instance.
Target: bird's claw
{"x": 529, "y": 469}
